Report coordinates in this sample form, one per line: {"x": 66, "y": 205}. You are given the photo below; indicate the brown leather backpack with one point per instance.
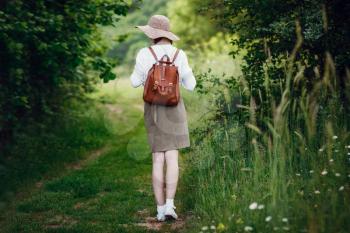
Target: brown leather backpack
{"x": 162, "y": 83}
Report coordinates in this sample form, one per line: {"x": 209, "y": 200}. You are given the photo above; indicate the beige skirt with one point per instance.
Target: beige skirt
{"x": 166, "y": 126}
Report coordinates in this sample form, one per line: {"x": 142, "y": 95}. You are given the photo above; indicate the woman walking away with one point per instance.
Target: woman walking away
{"x": 164, "y": 111}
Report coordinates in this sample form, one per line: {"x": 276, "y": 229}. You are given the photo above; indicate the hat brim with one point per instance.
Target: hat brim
{"x": 154, "y": 33}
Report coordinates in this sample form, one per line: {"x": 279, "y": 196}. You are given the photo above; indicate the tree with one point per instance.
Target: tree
{"x": 47, "y": 49}
{"x": 267, "y": 32}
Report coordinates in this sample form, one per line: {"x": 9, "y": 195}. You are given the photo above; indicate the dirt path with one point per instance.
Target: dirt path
{"x": 109, "y": 191}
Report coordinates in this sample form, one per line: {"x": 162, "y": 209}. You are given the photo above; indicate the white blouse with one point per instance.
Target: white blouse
{"x": 145, "y": 60}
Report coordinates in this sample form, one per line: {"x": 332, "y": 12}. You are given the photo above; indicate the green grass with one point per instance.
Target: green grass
{"x": 43, "y": 148}
{"x": 228, "y": 168}
{"x": 111, "y": 193}
{"x": 297, "y": 170}
{"x": 98, "y": 198}
{"x": 224, "y": 181}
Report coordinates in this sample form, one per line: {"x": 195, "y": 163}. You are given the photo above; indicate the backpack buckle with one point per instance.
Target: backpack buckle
{"x": 155, "y": 85}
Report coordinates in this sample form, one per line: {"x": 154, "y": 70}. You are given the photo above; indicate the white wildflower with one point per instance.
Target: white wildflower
{"x": 284, "y": 219}
{"x": 336, "y": 151}
{"x": 311, "y": 171}
{"x": 324, "y": 172}
{"x": 248, "y": 228}
{"x": 321, "y": 149}
{"x": 212, "y": 227}
{"x": 260, "y": 207}
{"x": 268, "y": 219}
{"x": 348, "y": 153}
{"x": 297, "y": 174}
{"x": 331, "y": 160}
{"x": 253, "y": 206}
{"x": 204, "y": 228}
{"x": 335, "y": 137}
{"x": 337, "y": 174}
{"x": 317, "y": 192}
{"x": 341, "y": 188}
{"x": 348, "y": 146}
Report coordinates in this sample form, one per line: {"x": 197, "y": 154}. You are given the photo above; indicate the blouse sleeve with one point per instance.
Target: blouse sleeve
{"x": 138, "y": 75}
{"x": 186, "y": 75}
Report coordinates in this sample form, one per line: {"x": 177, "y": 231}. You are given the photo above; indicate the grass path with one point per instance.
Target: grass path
{"x": 109, "y": 191}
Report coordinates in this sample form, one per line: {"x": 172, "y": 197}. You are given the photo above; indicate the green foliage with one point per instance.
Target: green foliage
{"x": 279, "y": 138}
{"x": 127, "y": 39}
{"x": 195, "y": 29}
{"x": 297, "y": 170}
{"x": 43, "y": 147}
{"x": 47, "y": 50}
{"x": 267, "y": 32}
{"x": 206, "y": 43}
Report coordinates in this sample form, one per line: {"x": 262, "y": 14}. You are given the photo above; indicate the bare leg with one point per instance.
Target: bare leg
{"x": 172, "y": 172}
{"x": 158, "y": 177}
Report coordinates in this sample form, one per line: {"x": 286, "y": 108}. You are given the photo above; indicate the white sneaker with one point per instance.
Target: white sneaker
{"x": 161, "y": 217}
{"x": 160, "y": 213}
{"x": 170, "y": 212}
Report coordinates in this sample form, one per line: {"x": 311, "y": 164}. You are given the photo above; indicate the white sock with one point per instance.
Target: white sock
{"x": 160, "y": 208}
{"x": 169, "y": 202}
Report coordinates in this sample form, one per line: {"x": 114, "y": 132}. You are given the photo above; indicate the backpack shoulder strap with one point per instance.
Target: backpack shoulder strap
{"x": 175, "y": 56}
{"x": 153, "y": 53}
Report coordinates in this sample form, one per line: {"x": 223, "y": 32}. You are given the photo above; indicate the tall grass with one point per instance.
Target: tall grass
{"x": 292, "y": 176}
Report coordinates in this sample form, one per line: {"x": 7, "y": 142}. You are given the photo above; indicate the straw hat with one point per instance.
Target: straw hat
{"x": 158, "y": 26}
